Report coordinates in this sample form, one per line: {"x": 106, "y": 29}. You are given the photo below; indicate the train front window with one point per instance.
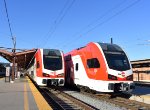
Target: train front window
{"x": 115, "y": 56}
{"x": 117, "y": 61}
{"x": 52, "y": 59}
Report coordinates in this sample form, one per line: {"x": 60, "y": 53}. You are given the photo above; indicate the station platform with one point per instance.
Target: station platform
{"x": 21, "y": 95}
{"x": 141, "y": 94}
{"x": 142, "y": 83}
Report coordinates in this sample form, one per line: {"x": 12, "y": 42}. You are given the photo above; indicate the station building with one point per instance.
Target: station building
{"x": 141, "y": 70}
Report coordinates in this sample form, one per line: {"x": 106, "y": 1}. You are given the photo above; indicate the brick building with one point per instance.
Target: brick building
{"x": 141, "y": 70}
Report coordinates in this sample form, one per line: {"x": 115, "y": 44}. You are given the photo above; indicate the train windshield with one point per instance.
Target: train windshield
{"x": 52, "y": 59}
{"x": 115, "y": 56}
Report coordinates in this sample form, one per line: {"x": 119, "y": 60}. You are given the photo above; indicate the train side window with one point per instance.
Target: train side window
{"x": 77, "y": 66}
{"x": 38, "y": 64}
{"x": 93, "y": 63}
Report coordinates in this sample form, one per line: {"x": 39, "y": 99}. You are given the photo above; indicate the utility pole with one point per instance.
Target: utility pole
{"x": 14, "y": 42}
{"x": 14, "y": 57}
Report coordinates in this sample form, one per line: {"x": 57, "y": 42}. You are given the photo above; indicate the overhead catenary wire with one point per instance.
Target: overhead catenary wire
{"x": 58, "y": 20}
{"x": 53, "y": 25}
{"x": 10, "y": 29}
{"x": 145, "y": 43}
{"x": 14, "y": 42}
{"x": 111, "y": 17}
{"x": 9, "y": 25}
{"x": 101, "y": 23}
{"x": 96, "y": 20}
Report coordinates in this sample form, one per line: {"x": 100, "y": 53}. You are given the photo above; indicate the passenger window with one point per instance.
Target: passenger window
{"x": 77, "y": 66}
{"x": 93, "y": 63}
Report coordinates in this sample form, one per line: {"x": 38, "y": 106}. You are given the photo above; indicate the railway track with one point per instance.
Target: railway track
{"x": 61, "y": 101}
{"x": 120, "y": 100}
{"x": 68, "y": 102}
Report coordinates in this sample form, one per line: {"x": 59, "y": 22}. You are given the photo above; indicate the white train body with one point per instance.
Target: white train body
{"x": 99, "y": 66}
{"x": 47, "y": 67}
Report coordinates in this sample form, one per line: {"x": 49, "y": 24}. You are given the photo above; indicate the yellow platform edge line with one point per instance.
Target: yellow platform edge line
{"x": 26, "y": 104}
{"x": 39, "y": 99}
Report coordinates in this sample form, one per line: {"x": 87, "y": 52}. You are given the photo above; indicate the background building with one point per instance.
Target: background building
{"x": 141, "y": 70}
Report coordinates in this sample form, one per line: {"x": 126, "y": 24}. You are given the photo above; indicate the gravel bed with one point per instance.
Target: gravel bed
{"x": 101, "y": 105}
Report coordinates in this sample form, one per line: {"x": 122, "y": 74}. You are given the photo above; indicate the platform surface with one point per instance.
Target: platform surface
{"x": 141, "y": 94}
{"x": 21, "y": 95}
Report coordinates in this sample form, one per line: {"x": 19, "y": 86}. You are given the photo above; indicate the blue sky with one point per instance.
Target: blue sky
{"x": 69, "y": 24}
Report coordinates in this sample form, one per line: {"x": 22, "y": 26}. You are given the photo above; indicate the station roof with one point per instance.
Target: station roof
{"x": 140, "y": 61}
{"x": 22, "y": 58}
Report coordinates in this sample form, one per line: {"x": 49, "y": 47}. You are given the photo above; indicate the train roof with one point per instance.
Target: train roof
{"x": 109, "y": 46}
{"x": 104, "y": 46}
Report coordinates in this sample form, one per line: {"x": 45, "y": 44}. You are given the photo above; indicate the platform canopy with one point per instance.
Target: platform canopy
{"x": 22, "y": 58}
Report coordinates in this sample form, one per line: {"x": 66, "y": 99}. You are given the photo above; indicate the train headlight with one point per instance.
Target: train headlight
{"x": 45, "y": 75}
{"x": 60, "y": 75}
{"x": 112, "y": 77}
{"x": 130, "y": 77}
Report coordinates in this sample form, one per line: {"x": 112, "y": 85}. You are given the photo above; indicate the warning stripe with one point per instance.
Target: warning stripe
{"x": 39, "y": 99}
{"x": 26, "y": 104}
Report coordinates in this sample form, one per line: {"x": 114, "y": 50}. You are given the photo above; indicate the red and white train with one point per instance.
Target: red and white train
{"x": 100, "y": 67}
{"x": 47, "y": 67}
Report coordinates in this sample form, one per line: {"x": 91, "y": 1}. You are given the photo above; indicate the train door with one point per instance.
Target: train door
{"x": 34, "y": 69}
{"x": 76, "y": 63}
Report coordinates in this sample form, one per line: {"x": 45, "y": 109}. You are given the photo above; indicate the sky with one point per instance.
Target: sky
{"x": 70, "y": 24}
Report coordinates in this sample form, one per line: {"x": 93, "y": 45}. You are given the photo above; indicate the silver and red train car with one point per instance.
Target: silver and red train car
{"x": 47, "y": 67}
{"x": 100, "y": 67}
